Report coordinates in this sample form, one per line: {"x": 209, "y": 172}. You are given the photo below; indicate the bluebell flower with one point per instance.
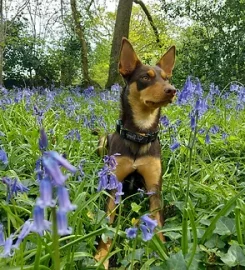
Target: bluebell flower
{"x": 201, "y": 107}
{"x": 131, "y": 233}
{"x": 43, "y": 140}
{"x": 3, "y": 157}
{"x": 147, "y": 227}
{"x": 149, "y": 222}
{"x": 26, "y": 229}
{"x": 207, "y": 139}
{"x": 224, "y": 136}
{"x": 2, "y": 238}
{"x": 18, "y": 187}
{"x": 214, "y": 129}
{"x": 62, "y": 223}
{"x": 119, "y": 193}
{"x": 111, "y": 161}
{"x": 164, "y": 120}
{"x": 64, "y": 201}
{"x": 61, "y": 161}
{"x": 13, "y": 187}
{"x": 46, "y": 193}
{"x": 7, "y": 252}
{"x": 146, "y": 233}
{"x": 193, "y": 122}
{"x": 201, "y": 130}
{"x": 174, "y": 146}
{"x": 53, "y": 169}
{"x": 39, "y": 224}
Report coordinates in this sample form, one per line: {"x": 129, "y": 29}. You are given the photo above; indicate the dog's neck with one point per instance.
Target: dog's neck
{"x": 138, "y": 118}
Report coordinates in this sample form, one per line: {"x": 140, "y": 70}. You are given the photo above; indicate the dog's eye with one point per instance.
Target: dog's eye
{"x": 145, "y": 78}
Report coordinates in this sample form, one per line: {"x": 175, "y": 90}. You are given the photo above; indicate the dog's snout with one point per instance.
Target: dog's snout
{"x": 170, "y": 91}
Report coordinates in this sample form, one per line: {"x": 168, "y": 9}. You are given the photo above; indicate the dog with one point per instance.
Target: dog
{"x": 147, "y": 89}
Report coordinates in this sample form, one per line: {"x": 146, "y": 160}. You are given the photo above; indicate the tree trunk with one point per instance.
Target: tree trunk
{"x": 121, "y": 29}
{"x": 84, "y": 49}
{"x": 1, "y": 41}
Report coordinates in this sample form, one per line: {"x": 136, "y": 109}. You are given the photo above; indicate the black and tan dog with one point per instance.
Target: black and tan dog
{"x": 147, "y": 90}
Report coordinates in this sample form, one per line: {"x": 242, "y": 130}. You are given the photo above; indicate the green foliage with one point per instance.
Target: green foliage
{"x": 212, "y": 46}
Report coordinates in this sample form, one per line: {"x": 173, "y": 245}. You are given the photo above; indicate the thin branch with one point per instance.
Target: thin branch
{"x": 150, "y": 19}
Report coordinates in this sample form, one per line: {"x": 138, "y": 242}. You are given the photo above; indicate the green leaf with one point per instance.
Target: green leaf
{"x": 234, "y": 256}
{"x": 175, "y": 262}
{"x": 225, "y": 226}
{"x": 135, "y": 207}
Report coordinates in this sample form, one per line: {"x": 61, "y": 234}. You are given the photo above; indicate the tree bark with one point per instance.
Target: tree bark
{"x": 84, "y": 48}
{"x": 121, "y": 30}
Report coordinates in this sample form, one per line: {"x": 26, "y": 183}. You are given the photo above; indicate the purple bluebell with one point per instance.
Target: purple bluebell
{"x": 147, "y": 227}
{"x": 149, "y": 222}
{"x": 2, "y": 238}
{"x": 174, "y": 146}
{"x": 64, "y": 201}
{"x": 164, "y": 121}
{"x": 214, "y": 129}
{"x": 207, "y": 139}
{"x": 193, "y": 122}
{"x": 8, "y": 246}
{"x": 26, "y": 229}
{"x": 201, "y": 130}
{"x": 39, "y": 224}
{"x": 53, "y": 169}
{"x": 146, "y": 233}
{"x": 111, "y": 161}
{"x": 119, "y": 193}
{"x": 62, "y": 223}
{"x": 201, "y": 107}
{"x": 112, "y": 181}
{"x": 224, "y": 136}
{"x": 43, "y": 140}
{"x": 13, "y": 187}
{"x": 46, "y": 193}
{"x": 61, "y": 161}
{"x": 103, "y": 178}
{"x": 18, "y": 187}
{"x": 3, "y": 157}
{"x": 131, "y": 233}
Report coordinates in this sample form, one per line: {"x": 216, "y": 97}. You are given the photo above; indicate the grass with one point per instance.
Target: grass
{"x": 203, "y": 182}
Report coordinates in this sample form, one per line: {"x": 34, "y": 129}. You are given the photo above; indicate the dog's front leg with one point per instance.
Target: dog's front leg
{"x": 123, "y": 169}
{"x": 151, "y": 170}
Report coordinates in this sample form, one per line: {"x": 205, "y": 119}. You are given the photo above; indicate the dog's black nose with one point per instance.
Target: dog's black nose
{"x": 170, "y": 91}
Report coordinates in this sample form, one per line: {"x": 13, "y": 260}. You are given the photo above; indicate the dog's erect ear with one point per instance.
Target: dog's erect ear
{"x": 128, "y": 59}
{"x": 167, "y": 61}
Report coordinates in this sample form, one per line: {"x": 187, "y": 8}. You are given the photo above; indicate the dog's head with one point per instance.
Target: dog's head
{"x": 147, "y": 84}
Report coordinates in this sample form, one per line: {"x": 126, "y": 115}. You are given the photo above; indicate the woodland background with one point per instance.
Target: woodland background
{"x": 76, "y": 42}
